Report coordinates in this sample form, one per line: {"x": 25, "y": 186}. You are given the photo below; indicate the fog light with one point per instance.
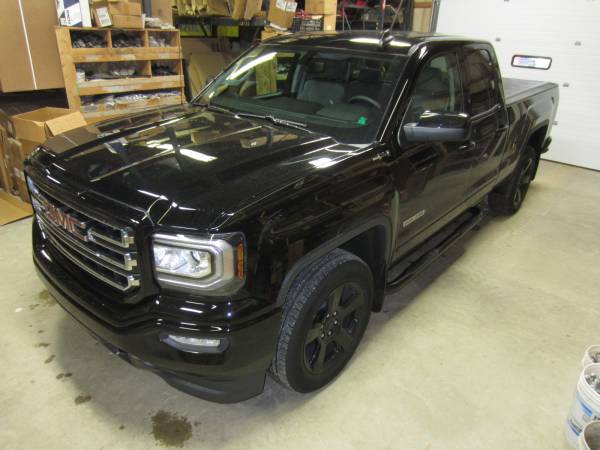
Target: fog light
{"x": 195, "y": 345}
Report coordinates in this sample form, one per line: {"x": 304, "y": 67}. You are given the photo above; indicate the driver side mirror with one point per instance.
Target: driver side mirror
{"x": 438, "y": 127}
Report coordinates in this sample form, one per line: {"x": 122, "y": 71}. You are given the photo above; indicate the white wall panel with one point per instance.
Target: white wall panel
{"x": 566, "y": 30}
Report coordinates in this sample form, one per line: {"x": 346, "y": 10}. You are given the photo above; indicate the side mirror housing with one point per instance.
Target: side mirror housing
{"x": 438, "y": 127}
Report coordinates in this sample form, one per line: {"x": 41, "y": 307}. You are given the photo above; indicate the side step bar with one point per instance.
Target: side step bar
{"x": 428, "y": 252}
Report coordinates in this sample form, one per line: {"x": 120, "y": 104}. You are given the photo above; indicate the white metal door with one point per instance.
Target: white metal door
{"x": 566, "y": 31}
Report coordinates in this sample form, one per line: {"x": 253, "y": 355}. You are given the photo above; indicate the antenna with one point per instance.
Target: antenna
{"x": 386, "y": 37}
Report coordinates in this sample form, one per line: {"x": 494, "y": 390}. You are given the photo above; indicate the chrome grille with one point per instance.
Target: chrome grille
{"x": 104, "y": 251}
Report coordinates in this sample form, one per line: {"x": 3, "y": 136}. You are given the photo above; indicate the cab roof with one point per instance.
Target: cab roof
{"x": 404, "y": 42}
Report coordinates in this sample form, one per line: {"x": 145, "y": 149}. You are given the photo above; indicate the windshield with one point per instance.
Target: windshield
{"x": 340, "y": 93}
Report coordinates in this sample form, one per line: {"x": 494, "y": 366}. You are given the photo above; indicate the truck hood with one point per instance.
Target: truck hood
{"x": 187, "y": 166}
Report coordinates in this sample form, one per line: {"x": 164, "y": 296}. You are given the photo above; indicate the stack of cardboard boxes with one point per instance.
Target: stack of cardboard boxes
{"x": 282, "y": 12}
{"x": 118, "y": 13}
{"x": 325, "y": 8}
{"x": 22, "y": 133}
{"x": 236, "y": 9}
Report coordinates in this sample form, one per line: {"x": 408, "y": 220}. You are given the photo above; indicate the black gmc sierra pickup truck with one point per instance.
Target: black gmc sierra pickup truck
{"x": 255, "y": 229}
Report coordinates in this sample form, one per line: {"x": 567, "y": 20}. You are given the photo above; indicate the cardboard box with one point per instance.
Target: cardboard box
{"x": 73, "y": 13}
{"x": 321, "y": 6}
{"x": 329, "y": 22}
{"x": 28, "y": 45}
{"x": 12, "y": 209}
{"x": 123, "y": 21}
{"x": 41, "y": 124}
{"x": 6, "y": 124}
{"x": 252, "y": 8}
{"x": 118, "y": 14}
{"x": 163, "y": 9}
{"x": 16, "y": 157}
{"x": 5, "y": 180}
{"x": 120, "y": 7}
{"x": 268, "y": 32}
{"x": 282, "y": 12}
{"x": 228, "y": 8}
{"x": 204, "y": 66}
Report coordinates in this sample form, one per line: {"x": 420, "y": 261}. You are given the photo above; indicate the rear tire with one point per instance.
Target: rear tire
{"x": 507, "y": 198}
{"x": 325, "y": 315}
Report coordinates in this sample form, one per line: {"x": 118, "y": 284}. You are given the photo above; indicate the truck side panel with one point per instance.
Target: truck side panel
{"x": 531, "y": 118}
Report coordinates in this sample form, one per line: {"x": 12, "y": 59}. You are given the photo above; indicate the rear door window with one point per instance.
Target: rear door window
{"x": 481, "y": 81}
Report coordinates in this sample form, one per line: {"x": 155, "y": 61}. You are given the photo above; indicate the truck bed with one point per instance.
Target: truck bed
{"x": 516, "y": 89}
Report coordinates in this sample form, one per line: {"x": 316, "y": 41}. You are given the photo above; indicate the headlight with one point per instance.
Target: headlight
{"x": 213, "y": 265}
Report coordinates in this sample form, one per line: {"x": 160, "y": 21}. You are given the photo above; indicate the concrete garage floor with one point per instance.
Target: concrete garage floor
{"x": 481, "y": 352}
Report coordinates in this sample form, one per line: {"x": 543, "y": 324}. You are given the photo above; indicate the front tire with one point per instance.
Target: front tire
{"x": 508, "y": 198}
{"x": 325, "y": 315}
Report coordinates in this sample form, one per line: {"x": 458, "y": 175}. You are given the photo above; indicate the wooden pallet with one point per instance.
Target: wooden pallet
{"x": 142, "y": 57}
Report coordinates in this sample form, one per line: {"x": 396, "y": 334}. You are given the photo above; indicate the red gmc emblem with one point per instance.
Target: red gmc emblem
{"x": 65, "y": 220}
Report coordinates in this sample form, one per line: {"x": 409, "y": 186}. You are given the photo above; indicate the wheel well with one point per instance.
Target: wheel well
{"x": 370, "y": 246}
{"x": 536, "y": 140}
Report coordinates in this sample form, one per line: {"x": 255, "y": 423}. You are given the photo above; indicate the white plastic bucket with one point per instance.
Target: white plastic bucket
{"x": 585, "y": 407}
{"x": 590, "y": 357}
{"x": 589, "y": 439}
{"x": 572, "y": 433}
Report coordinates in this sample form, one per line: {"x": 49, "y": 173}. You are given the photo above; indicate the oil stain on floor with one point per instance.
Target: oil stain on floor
{"x": 46, "y": 299}
{"x": 82, "y": 399}
{"x": 170, "y": 429}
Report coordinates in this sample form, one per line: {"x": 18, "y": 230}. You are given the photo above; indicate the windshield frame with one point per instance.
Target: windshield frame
{"x": 387, "y": 108}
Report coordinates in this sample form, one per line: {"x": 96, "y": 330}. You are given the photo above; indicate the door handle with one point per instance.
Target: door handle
{"x": 468, "y": 146}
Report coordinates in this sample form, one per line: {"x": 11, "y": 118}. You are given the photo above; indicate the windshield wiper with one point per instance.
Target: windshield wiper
{"x": 211, "y": 107}
{"x": 273, "y": 119}
{"x": 270, "y": 118}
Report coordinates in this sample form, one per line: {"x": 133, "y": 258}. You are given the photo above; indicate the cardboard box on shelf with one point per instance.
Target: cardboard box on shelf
{"x": 73, "y": 13}
{"x": 269, "y": 32}
{"x": 228, "y": 8}
{"x": 120, "y": 7}
{"x": 163, "y": 9}
{"x": 118, "y": 14}
{"x": 252, "y": 8}
{"x": 329, "y": 22}
{"x": 125, "y": 21}
{"x": 321, "y": 6}
{"x": 282, "y": 12}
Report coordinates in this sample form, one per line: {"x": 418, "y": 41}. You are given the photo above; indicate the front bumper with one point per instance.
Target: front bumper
{"x": 235, "y": 374}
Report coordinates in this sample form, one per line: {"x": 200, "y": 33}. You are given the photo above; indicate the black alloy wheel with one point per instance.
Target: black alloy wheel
{"x": 335, "y": 328}
{"x": 523, "y": 182}
{"x": 508, "y": 197}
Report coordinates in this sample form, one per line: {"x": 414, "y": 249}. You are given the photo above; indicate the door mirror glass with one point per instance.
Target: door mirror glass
{"x": 438, "y": 127}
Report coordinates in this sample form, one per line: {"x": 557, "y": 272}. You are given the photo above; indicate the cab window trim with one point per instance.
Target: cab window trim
{"x": 498, "y": 83}
{"x": 461, "y": 75}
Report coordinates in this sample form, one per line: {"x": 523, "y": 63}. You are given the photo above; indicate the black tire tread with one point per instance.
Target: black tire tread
{"x": 300, "y": 293}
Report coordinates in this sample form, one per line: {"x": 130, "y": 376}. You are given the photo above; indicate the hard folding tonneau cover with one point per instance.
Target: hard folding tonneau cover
{"x": 516, "y": 89}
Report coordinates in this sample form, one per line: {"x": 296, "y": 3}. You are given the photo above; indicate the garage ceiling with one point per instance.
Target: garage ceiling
{"x": 569, "y": 33}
